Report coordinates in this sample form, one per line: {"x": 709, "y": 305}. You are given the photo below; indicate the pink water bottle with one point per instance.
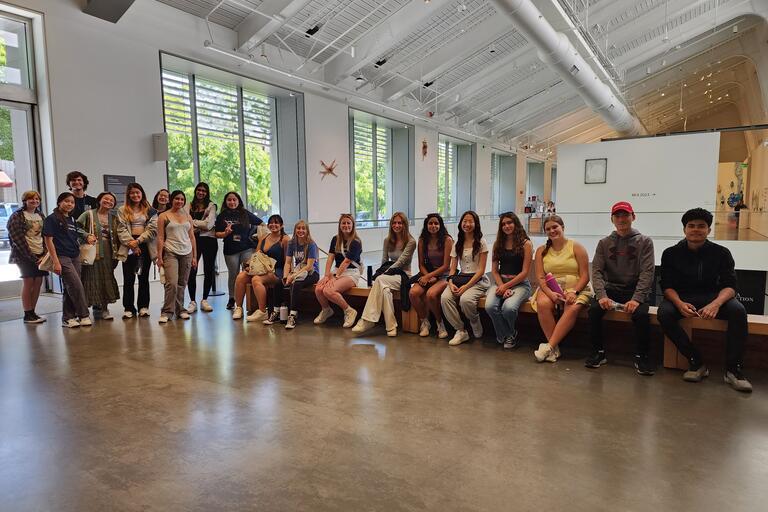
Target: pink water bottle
{"x": 552, "y": 283}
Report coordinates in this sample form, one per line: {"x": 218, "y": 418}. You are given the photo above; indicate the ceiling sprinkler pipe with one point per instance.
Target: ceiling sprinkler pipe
{"x": 555, "y": 50}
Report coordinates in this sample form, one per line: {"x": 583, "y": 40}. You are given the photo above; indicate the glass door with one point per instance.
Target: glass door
{"x": 18, "y": 173}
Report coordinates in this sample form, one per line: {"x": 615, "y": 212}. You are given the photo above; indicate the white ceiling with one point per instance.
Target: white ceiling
{"x": 467, "y": 64}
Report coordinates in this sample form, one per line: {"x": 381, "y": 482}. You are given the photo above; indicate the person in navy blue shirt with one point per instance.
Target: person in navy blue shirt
{"x": 78, "y": 184}
{"x": 301, "y": 267}
{"x": 61, "y": 237}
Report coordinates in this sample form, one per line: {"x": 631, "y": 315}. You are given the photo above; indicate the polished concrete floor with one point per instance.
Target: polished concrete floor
{"x": 212, "y": 415}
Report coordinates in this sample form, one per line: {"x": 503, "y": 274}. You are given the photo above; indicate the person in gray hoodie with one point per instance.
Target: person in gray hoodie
{"x": 622, "y": 276}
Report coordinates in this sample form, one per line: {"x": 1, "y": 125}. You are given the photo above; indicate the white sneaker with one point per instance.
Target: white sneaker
{"x": 459, "y": 338}
{"x": 144, "y": 312}
{"x": 545, "y": 352}
{"x": 192, "y": 307}
{"x": 392, "y": 332}
{"x": 424, "y": 328}
{"x": 256, "y": 316}
{"x": 442, "y": 332}
{"x": 324, "y": 315}
{"x": 205, "y": 306}
{"x": 162, "y": 320}
{"x": 362, "y": 326}
{"x": 237, "y": 314}
{"x": 184, "y": 315}
{"x": 86, "y": 322}
{"x": 127, "y": 314}
{"x": 477, "y": 328}
{"x": 349, "y": 317}
{"x": 106, "y": 315}
{"x": 71, "y": 323}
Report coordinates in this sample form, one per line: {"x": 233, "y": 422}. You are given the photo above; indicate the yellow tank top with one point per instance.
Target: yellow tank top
{"x": 562, "y": 263}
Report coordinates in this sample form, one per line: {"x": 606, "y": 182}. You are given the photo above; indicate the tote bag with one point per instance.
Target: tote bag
{"x": 88, "y": 251}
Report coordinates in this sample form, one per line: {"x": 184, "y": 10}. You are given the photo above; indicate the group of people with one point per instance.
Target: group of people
{"x": 697, "y": 276}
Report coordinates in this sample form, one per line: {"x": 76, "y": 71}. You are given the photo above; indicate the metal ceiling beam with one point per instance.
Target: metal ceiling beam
{"x": 528, "y": 95}
{"x": 381, "y": 39}
{"x": 272, "y": 15}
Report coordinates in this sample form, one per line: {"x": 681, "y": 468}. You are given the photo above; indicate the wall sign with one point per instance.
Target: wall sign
{"x": 595, "y": 170}
{"x": 117, "y": 183}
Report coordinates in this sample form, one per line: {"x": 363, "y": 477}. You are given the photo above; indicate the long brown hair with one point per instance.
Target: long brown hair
{"x": 551, "y": 218}
{"x": 519, "y": 236}
{"x": 144, "y": 204}
{"x": 340, "y": 241}
{"x": 391, "y": 240}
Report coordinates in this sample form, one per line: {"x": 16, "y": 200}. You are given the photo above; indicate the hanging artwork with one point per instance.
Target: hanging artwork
{"x": 424, "y": 148}
{"x": 328, "y": 169}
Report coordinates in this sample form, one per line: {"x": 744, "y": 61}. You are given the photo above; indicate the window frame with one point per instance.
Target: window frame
{"x": 375, "y": 221}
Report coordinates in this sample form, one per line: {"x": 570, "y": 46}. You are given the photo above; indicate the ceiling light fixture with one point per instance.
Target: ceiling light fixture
{"x": 359, "y": 79}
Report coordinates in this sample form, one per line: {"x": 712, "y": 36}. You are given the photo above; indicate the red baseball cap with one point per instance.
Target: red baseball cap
{"x": 622, "y": 206}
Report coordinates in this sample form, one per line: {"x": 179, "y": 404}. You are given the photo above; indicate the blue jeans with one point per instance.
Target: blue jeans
{"x": 503, "y": 312}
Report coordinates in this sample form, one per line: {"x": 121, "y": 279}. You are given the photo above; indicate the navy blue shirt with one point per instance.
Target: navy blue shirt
{"x": 353, "y": 252}
{"x": 83, "y": 204}
{"x": 238, "y": 240}
{"x": 708, "y": 270}
{"x": 64, "y": 235}
{"x": 300, "y": 253}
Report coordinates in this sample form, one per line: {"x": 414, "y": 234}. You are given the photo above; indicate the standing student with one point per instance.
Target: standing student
{"x": 176, "y": 254}
{"x": 161, "y": 200}
{"x": 345, "y": 252}
{"x": 136, "y": 229}
{"x": 434, "y": 248}
{"x": 397, "y": 253}
{"x": 235, "y": 224}
{"x": 272, "y": 245}
{"x": 465, "y": 289}
{"x": 510, "y": 265}
{"x": 25, "y": 228}
{"x": 698, "y": 278}
{"x": 77, "y": 183}
{"x": 301, "y": 267}
{"x": 622, "y": 274}
{"x": 62, "y": 241}
{"x": 99, "y": 280}
{"x": 568, "y": 262}
{"x": 203, "y": 213}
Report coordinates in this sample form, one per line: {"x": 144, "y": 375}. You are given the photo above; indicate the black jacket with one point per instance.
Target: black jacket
{"x": 708, "y": 270}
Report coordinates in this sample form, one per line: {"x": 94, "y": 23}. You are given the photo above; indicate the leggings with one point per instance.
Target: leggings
{"x": 207, "y": 247}
{"x": 297, "y": 286}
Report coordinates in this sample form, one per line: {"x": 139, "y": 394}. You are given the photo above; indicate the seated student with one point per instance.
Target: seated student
{"x": 301, "y": 267}
{"x": 397, "y": 253}
{"x": 345, "y": 251}
{"x": 435, "y": 245}
{"x": 622, "y": 274}
{"x": 273, "y": 245}
{"x": 698, "y": 279}
{"x": 567, "y": 261}
{"x": 510, "y": 265}
{"x": 465, "y": 289}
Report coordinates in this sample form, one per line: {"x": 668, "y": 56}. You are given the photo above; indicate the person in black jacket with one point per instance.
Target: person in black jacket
{"x": 698, "y": 279}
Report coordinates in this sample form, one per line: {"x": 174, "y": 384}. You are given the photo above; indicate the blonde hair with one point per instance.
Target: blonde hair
{"x": 340, "y": 236}
{"x": 391, "y": 240}
{"x": 308, "y": 239}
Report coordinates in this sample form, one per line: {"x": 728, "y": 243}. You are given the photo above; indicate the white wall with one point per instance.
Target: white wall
{"x": 661, "y": 177}
{"x": 425, "y": 179}
{"x": 483, "y": 179}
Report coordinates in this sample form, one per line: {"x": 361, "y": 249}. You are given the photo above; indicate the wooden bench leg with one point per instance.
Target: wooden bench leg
{"x": 410, "y": 321}
{"x": 250, "y": 298}
{"x": 672, "y": 357}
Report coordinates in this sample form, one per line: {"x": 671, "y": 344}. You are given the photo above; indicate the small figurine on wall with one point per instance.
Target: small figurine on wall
{"x": 424, "y": 148}
{"x": 328, "y": 169}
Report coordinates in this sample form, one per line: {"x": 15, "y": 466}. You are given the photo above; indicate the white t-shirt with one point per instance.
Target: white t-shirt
{"x": 468, "y": 264}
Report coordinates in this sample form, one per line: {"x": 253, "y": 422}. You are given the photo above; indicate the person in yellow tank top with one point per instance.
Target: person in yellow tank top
{"x": 568, "y": 262}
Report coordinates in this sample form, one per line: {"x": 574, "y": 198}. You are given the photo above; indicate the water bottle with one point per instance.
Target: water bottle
{"x": 283, "y": 313}
{"x": 552, "y": 283}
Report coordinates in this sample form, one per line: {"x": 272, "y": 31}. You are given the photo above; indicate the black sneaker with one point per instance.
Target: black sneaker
{"x": 643, "y": 365}
{"x": 32, "y": 318}
{"x": 596, "y": 360}
{"x": 511, "y": 342}
{"x": 291, "y": 323}
{"x": 231, "y": 304}
{"x": 273, "y": 318}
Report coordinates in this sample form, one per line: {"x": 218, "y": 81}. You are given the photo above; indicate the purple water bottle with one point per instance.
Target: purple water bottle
{"x": 552, "y": 283}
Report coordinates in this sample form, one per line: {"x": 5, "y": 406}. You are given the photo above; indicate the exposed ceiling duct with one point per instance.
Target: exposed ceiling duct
{"x": 555, "y": 50}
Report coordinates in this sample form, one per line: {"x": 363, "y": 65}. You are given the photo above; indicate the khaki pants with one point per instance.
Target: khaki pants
{"x": 380, "y": 301}
{"x": 467, "y": 302}
{"x": 176, "y": 275}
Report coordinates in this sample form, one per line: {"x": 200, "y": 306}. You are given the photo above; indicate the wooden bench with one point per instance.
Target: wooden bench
{"x": 409, "y": 322}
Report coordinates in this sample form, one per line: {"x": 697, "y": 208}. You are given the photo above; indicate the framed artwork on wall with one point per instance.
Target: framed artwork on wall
{"x": 595, "y": 170}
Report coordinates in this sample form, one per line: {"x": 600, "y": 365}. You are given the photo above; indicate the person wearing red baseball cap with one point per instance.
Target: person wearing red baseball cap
{"x": 622, "y": 277}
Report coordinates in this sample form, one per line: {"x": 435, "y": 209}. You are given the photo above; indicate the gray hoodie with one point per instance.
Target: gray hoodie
{"x": 624, "y": 264}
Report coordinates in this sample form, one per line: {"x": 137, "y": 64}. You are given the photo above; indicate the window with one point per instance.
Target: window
{"x": 220, "y": 134}
{"x": 503, "y": 182}
{"x": 14, "y": 56}
{"x": 372, "y": 170}
{"x": 535, "y": 184}
{"x": 553, "y": 194}
{"x": 446, "y": 170}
